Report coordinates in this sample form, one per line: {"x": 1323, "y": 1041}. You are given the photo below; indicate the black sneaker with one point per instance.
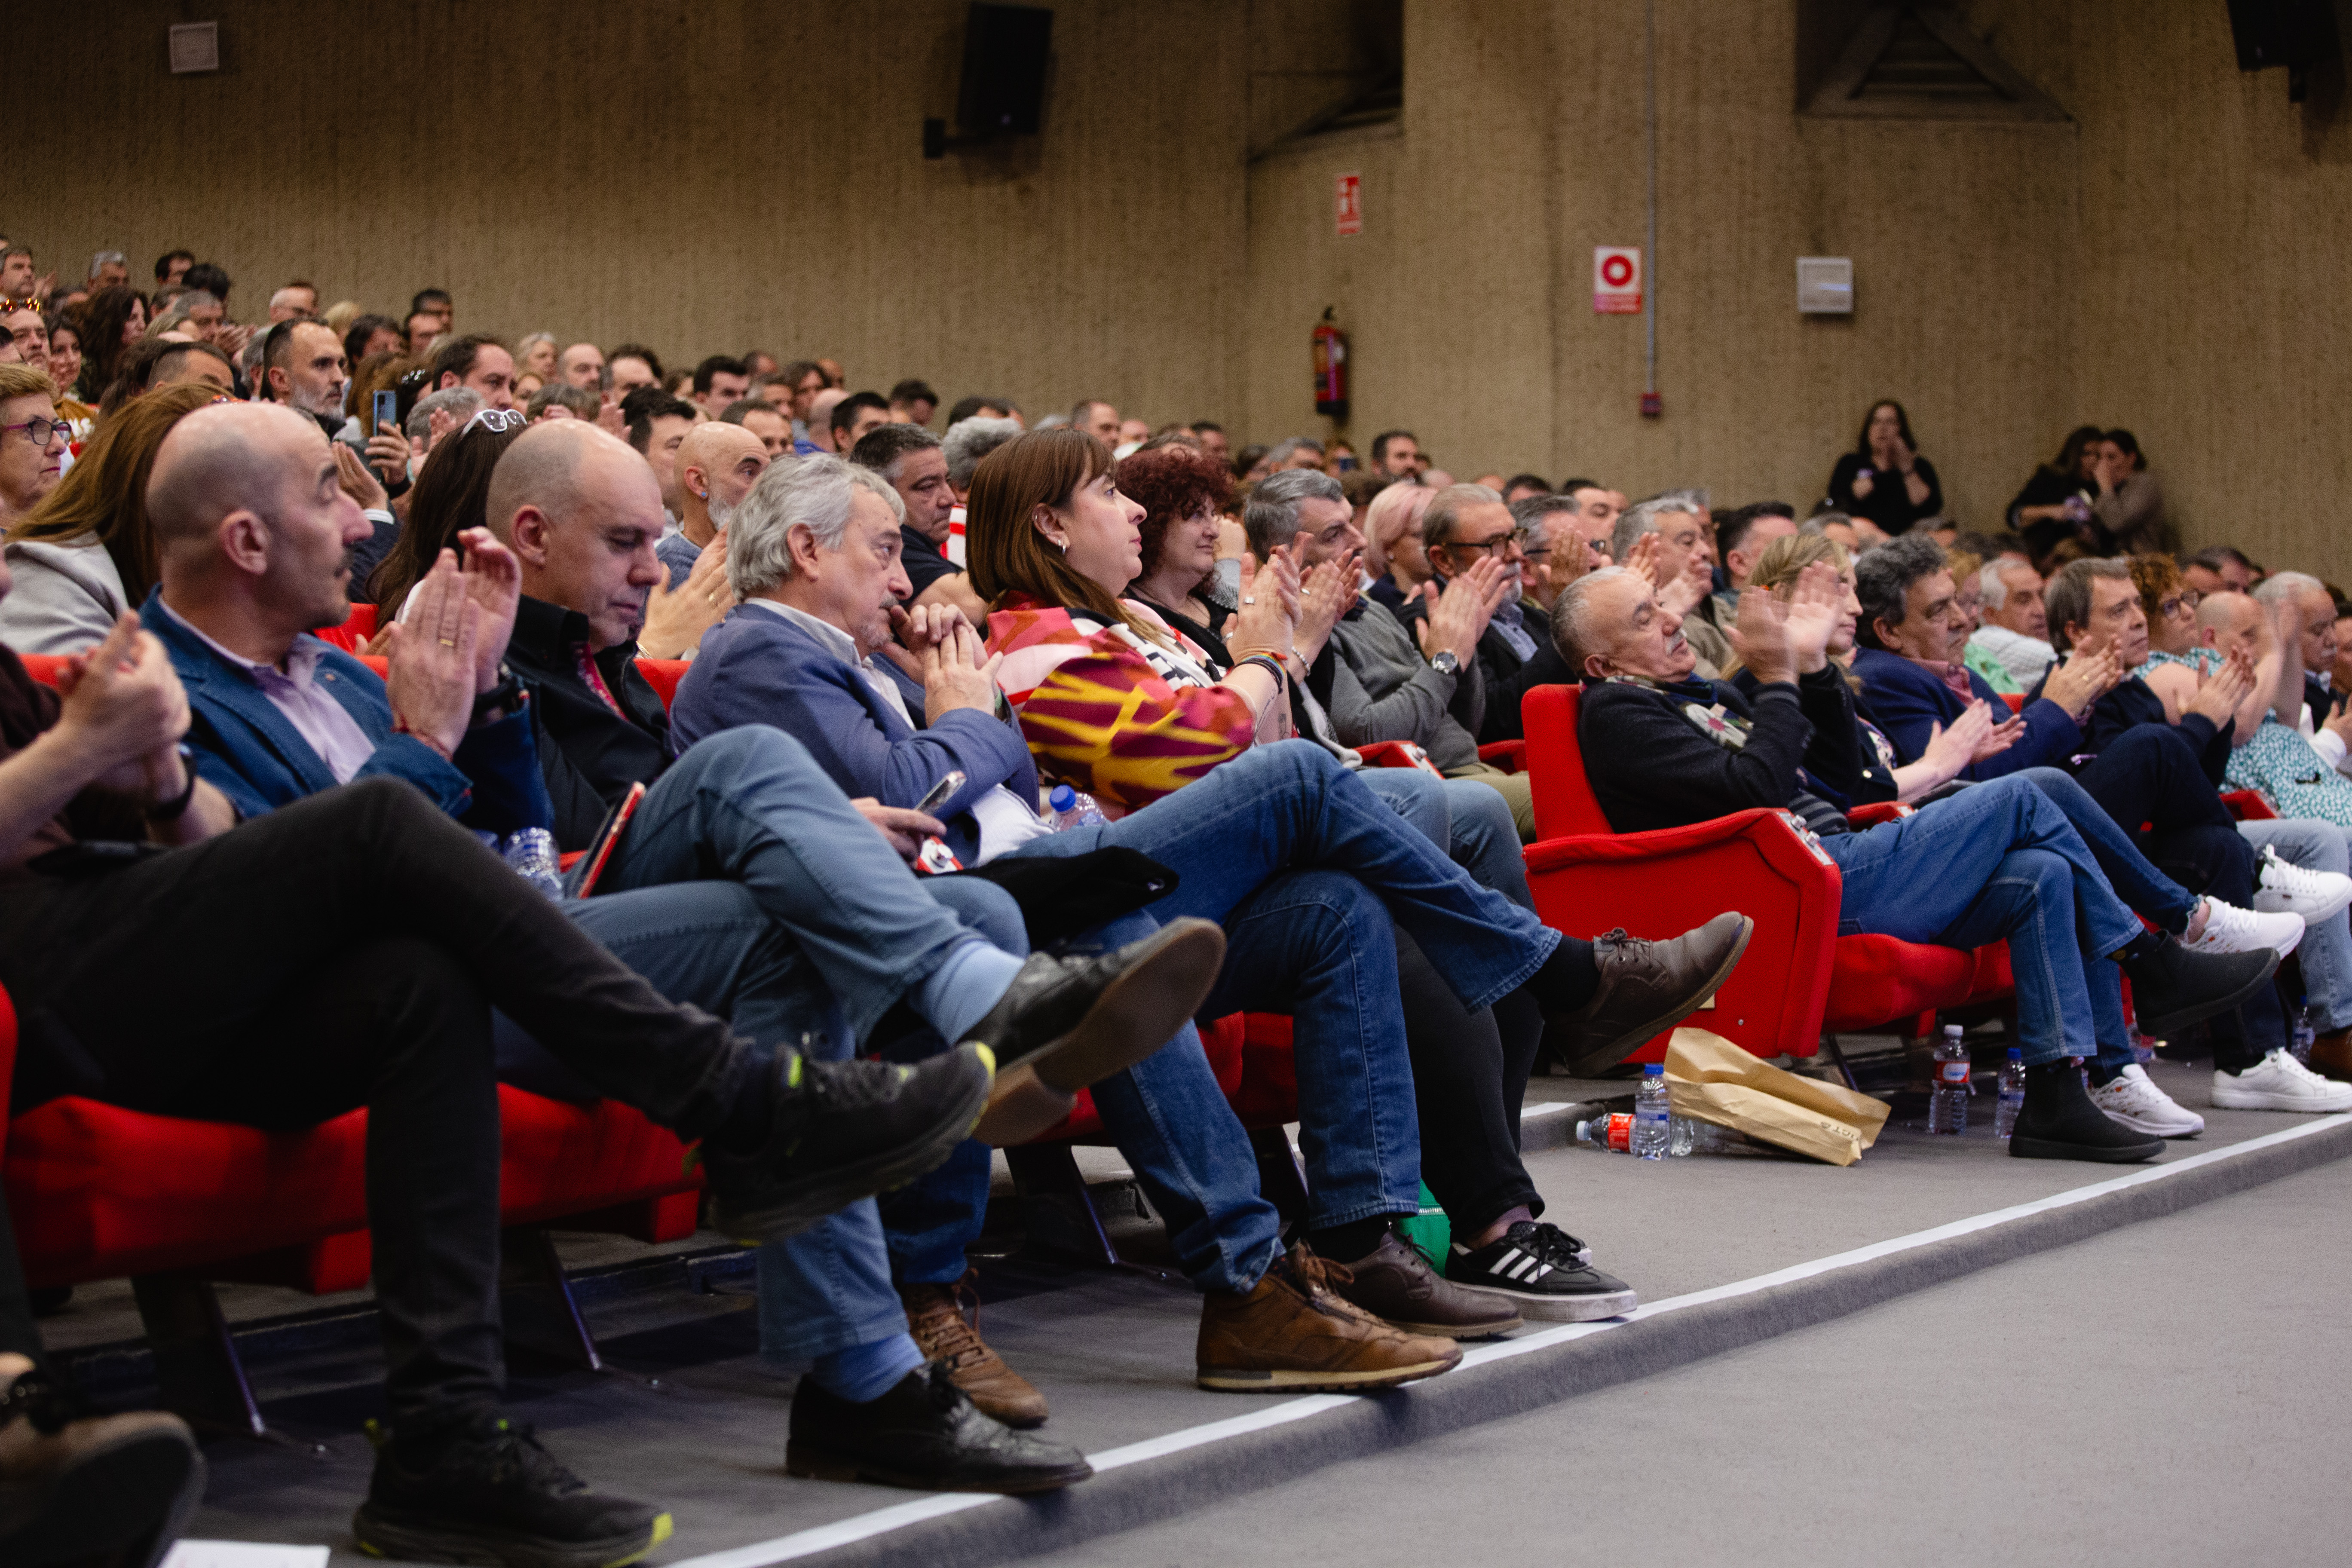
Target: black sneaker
{"x": 1543, "y": 1272}
{"x": 2173, "y": 987}
{"x": 77, "y": 1487}
{"x": 845, "y": 1131}
{"x": 1066, "y": 1023}
{"x": 924, "y": 1432}
{"x": 492, "y": 1494}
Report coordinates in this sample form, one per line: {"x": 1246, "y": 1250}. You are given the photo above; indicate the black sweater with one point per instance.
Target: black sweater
{"x": 2133, "y": 702}
{"x": 1651, "y": 767}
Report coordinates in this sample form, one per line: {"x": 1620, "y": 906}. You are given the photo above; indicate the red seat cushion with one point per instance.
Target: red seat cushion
{"x": 561, "y": 1158}
{"x": 1878, "y": 980}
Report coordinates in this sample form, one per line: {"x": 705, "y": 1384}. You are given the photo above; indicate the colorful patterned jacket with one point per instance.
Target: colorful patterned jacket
{"x": 1110, "y": 712}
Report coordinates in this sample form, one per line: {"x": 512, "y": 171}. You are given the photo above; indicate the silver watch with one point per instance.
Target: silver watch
{"x": 1444, "y": 663}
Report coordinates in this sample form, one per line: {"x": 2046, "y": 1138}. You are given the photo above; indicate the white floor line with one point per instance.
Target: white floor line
{"x": 865, "y": 1526}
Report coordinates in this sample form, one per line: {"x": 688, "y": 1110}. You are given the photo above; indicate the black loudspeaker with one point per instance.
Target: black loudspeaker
{"x": 2291, "y": 33}
{"x": 1004, "y": 49}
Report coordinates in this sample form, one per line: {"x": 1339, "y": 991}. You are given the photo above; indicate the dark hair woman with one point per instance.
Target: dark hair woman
{"x": 112, "y": 320}
{"x": 451, "y": 490}
{"x": 2055, "y": 503}
{"x": 1182, "y": 492}
{"x": 1884, "y": 478}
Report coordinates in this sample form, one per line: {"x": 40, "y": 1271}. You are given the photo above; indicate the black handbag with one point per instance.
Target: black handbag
{"x": 1063, "y": 896}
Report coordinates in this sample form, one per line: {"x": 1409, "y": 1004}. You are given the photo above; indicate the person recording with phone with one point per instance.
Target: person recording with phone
{"x": 1884, "y": 478}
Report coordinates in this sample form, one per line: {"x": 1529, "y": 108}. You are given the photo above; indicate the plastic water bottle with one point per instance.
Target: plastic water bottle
{"x": 531, "y": 852}
{"x": 1652, "y": 1135}
{"x": 1947, "y": 1103}
{"x": 1071, "y": 809}
{"x": 2013, "y": 1095}
{"x": 1687, "y": 1136}
{"x": 1611, "y": 1134}
{"x": 2306, "y": 1031}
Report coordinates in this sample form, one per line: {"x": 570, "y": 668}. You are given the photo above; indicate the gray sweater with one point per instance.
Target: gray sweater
{"x": 1383, "y": 690}
{"x": 64, "y": 597}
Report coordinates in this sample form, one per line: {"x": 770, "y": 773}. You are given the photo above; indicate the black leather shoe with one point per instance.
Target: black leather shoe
{"x": 845, "y": 1131}
{"x": 1648, "y": 987}
{"x": 491, "y": 1494}
{"x": 1066, "y": 1023}
{"x": 2173, "y": 987}
{"x": 2059, "y": 1120}
{"x": 925, "y": 1432}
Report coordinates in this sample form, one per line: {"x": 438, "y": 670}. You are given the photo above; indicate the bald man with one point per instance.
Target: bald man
{"x": 718, "y": 463}
{"x": 582, "y": 365}
{"x": 347, "y": 950}
{"x": 820, "y": 423}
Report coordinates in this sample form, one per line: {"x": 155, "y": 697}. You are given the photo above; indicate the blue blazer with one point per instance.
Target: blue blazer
{"x": 1906, "y": 698}
{"x": 757, "y": 667}
{"x": 246, "y": 749}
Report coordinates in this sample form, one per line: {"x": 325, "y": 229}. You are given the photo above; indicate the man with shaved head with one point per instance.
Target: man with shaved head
{"x": 718, "y": 463}
{"x": 347, "y": 951}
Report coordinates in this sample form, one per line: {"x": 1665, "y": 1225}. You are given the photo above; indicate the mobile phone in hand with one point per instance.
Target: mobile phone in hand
{"x": 387, "y": 411}
{"x": 941, "y": 792}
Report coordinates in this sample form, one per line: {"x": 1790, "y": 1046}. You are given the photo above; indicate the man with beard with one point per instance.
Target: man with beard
{"x": 717, "y": 464}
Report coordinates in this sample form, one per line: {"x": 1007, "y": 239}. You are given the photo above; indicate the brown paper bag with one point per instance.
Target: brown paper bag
{"x": 1709, "y": 1078}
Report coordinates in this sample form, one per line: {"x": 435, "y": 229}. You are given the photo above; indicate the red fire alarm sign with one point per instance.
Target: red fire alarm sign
{"x": 1348, "y": 200}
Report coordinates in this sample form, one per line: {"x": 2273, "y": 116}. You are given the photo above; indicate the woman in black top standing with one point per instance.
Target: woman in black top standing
{"x": 1884, "y": 478}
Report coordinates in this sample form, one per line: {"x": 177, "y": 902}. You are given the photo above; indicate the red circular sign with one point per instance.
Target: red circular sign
{"x": 1617, "y": 271}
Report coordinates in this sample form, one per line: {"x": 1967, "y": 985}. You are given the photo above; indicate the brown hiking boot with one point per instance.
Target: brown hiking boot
{"x": 1648, "y": 987}
{"x": 2332, "y": 1055}
{"x": 1396, "y": 1284}
{"x": 1291, "y": 1332}
{"x": 935, "y": 1316}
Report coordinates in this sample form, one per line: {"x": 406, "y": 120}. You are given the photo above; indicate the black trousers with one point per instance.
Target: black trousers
{"x": 344, "y": 951}
{"x": 2151, "y": 781}
{"x": 1469, "y": 1074}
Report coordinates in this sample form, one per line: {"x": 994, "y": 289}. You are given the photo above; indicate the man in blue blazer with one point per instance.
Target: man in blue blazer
{"x": 1912, "y": 631}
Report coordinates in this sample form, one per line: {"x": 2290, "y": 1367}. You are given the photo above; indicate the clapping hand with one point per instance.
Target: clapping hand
{"x": 433, "y": 670}
{"x": 1816, "y": 605}
{"x": 493, "y": 579}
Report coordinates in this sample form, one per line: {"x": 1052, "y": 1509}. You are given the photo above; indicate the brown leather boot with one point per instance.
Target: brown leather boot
{"x": 1396, "y": 1284}
{"x": 1291, "y": 1332}
{"x": 935, "y": 1316}
{"x": 1648, "y": 987}
{"x": 2332, "y": 1055}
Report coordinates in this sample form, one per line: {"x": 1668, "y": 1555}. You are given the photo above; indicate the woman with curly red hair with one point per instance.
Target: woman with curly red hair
{"x": 1182, "y": 494}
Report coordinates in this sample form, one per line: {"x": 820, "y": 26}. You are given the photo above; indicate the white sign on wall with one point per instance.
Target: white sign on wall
{"x": 1617, "y": 281}
{"x": 1825, "y": 285}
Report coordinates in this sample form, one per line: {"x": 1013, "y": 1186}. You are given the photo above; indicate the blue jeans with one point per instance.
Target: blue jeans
{"x": 1994, "y": 862}
{"x": 2326, "y": 952}
{"x": 1462, "y": 816}
{"x": 2134, "y": 880}
{"x": 750, "y": 805}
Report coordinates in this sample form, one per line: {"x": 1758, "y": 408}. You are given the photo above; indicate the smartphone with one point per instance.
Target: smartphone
{"x": 600, "y": 848}
{"x": 387, "y": 411}
{"x": 941, "y": 792}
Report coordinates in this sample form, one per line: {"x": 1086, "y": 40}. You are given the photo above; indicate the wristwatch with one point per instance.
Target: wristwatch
{"x": 506, "y": 696}
{"x": 177, "y": 806}
{"x": 1444, "y": 663}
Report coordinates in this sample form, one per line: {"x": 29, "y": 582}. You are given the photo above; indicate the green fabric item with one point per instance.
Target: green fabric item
{"x": 1996, "y": 673}
{"x": 1429, "y": 1230}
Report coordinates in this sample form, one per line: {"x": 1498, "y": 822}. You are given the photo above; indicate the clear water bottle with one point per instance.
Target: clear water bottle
{"x": 2013, "y": 1095}
{"x": 1947, "y": 1101}
{"x": 2306, "y": 1030}
{"x": 1611, "y": 1134}
{"x": 1071, "y": 809}
{"x": 1652, "y": 1135}
{"x": 1687, "y": 1136}
{"x": 531, "y": 852}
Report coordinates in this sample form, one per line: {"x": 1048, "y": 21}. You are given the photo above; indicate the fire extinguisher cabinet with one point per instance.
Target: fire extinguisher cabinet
{"x": 1330, "y": 367}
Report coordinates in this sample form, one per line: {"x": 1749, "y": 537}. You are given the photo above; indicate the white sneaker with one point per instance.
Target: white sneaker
{"x": 2134, "y": 1100}
{"x": 2293, "y": 890}
{"x": 2279, "y": 1082}
{"x": 2229, "y": 928}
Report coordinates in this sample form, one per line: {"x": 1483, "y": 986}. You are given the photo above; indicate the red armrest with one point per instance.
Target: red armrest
{"x": 1662, "y": 884}
{"x": 1875, "y": 812}
{"x": 1511, "y": 756}
{"x": 1396, "y": 754}
{"x": 2248, "y": 806}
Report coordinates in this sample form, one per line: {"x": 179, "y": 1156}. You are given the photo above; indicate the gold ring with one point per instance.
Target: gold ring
{"x": 448, "y": 642}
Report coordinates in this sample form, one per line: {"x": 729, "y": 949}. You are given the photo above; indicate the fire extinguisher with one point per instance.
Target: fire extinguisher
{"x": 1330, "y": 367}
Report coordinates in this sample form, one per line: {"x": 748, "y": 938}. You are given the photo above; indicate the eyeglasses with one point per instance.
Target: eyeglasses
{"x": 1489, "y": 547}
{"x": 2183, "y": 602}
{"x": 499, "y": 419}
{"x": 42, "y": 431}
{"x": 10, "y": 307}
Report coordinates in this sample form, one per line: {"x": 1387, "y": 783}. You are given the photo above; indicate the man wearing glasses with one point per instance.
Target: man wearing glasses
{"x": 32, "y": 442}
{"x": 1421, "y": 681}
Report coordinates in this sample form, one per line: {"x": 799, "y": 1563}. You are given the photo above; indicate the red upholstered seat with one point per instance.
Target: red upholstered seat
{"x": 1800, "y": 977}
{"x": 353, "y": 634}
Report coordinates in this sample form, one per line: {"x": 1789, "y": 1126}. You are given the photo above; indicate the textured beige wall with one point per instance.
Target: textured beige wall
{"x": 703, "y": 176}
{"x": 734, "y": 172}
